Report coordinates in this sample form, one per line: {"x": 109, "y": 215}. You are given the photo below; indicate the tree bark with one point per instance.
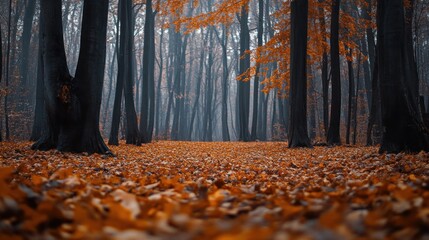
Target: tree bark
{"x": 298, "y": 133}
{"x": 26, "y": 37}
{"x": 256, "y": 91}
{"x": 73, "y": 105}
{"x": 325, "y": 79}
{"x": 244, "y": 86}
{"x": 334, "y": 125}
{"x": 351, "y": 95}
{"x": 39, "y": 110}
{"x": 402, "y": 122}
{"x": 147, "y": 113}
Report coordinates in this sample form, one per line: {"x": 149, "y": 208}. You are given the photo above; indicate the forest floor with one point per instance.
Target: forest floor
{"x": 213, "y": 191}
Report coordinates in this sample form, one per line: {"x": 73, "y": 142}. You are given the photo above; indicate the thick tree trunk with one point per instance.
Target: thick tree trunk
{"x": 334, "y": 125}
{"x": 73, "y": 105}
{"x": 402, "y": 122}
{"x": 298, "y": 133}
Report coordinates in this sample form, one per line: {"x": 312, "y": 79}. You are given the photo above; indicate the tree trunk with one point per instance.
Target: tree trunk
{"x": 351, "y": 94}
{"x": 39, "y": 110}
{"x": 1, "y": 74}
{"x": 244, "y": 86}
{"x": 402, "y": 122}
{"x": 26, "y": 37}
{"x": 256, "y": 79}
{"x": 325, "y": 79}
{"x": 73, "y": 105}
{"x": 147, "y": 113}
{"x": 334, "y": 125}
{"x": 124, "y": 80}
{"x": 6, "y": 111}
{"x": 298, "y": 133}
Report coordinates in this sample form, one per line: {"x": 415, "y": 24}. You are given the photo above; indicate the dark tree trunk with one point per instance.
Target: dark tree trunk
{"x": 26, "y": 37}
{"x": 244, "y": 86}
{"x": 39, "y": 110}
{"x": 370, "y": 50}
{"x": 158, "y": 101}
{"x": 132, "y": 131}
{"x": 6, "y": 111}
{"x": 125, "y": 79}
{"x": 208, "y": 116}
{"x": 351, "y": 94}
{"x": 147, "y": 113}
{"x": 402, "y": 122}
{"x": 356, "y": 102}
{"x": 334, "y": 125}
{"x": 223, "y": 41}
{"x": 198, "y": 88}
{"x": 298, "y": 134}
{"x": 73, "y": 105}
{"x": 374, "y": 121}
{"x": 256, "y": 91}
{"x": 325, "y": 79}
{"x": 1, "y": 74}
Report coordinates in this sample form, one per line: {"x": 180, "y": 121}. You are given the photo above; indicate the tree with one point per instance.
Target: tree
{"x": 334, "y": 124}
{"x": 39, "y": 110}
{"x": 1, "y": 74}
{"x": 26, "y": 37}
{"x": 147, "y": 113}
{"x": 298, "y": 134}
{"x": 256, "y": 79}
{"x": 404, "y": 129}
{"x": 8, "y": 58}
{"x": 223, "y": 41}
{"x": 124, "y": 82}
{"x": 325, "y": 79}
{"x": 73, "y": 104}
{"x": 244, "y": 85}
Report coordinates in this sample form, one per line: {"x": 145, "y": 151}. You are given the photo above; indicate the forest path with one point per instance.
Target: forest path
{"x": 213, "y": 190}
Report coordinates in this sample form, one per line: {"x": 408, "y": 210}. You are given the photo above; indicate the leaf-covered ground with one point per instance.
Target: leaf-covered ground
{"x": 213, "y": 191}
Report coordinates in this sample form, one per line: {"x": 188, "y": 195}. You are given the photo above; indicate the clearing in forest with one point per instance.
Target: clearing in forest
{"x": 214, "y": 191}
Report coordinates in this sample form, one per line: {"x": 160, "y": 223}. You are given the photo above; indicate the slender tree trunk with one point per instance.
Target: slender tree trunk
{"x": 158, "y": 101}
{"x": 256, "y": 79}
{"x": 26, "y": 37}
{"x": 39, "y": 110}
{"x": 1, "y": 75}
{"x": 6, "y": 110}
{"x": 356, "y": 102}
{"x": 198, "y": 89}
{"x": 334, "y": 125}
{"x": 325, "y": 79}
{"x": 244, "y": 86}
{"x": 351, "y": 94}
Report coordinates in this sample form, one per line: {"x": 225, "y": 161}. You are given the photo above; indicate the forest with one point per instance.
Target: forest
{"x": 219, "y": 119}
